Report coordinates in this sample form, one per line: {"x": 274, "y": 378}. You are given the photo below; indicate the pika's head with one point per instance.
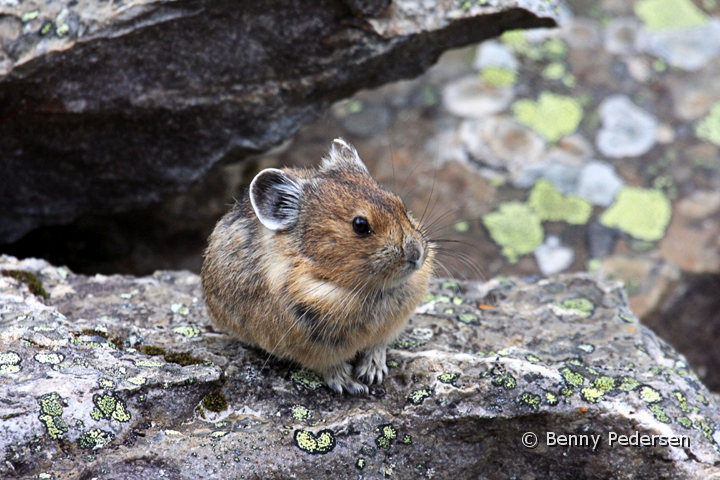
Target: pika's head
{"x": 349, "y": 230}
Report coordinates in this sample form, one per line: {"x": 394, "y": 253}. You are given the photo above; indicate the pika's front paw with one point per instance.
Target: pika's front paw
{"x": 372, "y": 367}
{"x": 339, "y": 378}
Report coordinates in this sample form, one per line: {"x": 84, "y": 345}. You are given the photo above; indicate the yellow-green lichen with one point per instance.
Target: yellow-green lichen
{"x": 407, "y": 344}
{"x": 130, "y": 294}
{"x": 551, "y": 205}
{"x": 591, "y": 394}
{"x": 51, "y": 410}
{"x": 461, "y": 227}
{"x": 418, "y": 396}
{"x": 31, "y": 15}
{"x": 407, "y": 440}
{"x": 579, "y": 306}
{"x": 109, "y": 406}
{"x": 682, "y": 401}
{"x": 604, "y": 383}
{"x": 28, "y": 278}
{"x": 468, "y": 318}
{"x": 572, "y": 379}
{"x": 554, "y": 71}
{"x": 505, "y": 381}
{"x": 300, "y": 413}
{"x": 187, "y": 331}
{"x": 705, "y": 428}
{"x": 551, "y": 399}
{"x": 530, "y": 399}
{"x": 389, "y": 431}
{"x": 179, "y": 308}
{"x": 149, "y": 363}
{"x": 49, "y": 358}
{"x": 498, "y": 77}
{"x": 628, "y": 384}
{"x": 322, "y": 443}
{"x": 642, "y": 213}
{"x": 532, "y": 358}
{"x": 106, "y": 384}
{"x": 684, "y": 421}
{"x": 360, "y": 463}
{"x": 650, "y": 395}
{"x": 658, "y": 15}
{"x": 137, "y": 380}
{"x": 659, "y": 413}
{"x": 215, "y": 401}
{"x": 95, "y": 439}
{"x": 9, "y": 362}
{"x": 516, "y": 228}
{"x": 383, "y": 442}
{"x": 552, "y": 116}
{"x": 709, "y": 127}
{"x": 307, "y": 378}
{"x": 449, "y": 378}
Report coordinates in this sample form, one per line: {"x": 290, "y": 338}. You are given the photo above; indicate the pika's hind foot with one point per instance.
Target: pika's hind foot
{"x": 372, "y": 367}
{"x": 339, "y": 378}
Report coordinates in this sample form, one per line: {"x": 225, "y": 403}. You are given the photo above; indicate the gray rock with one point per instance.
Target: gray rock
{"x": 627, "y": 130}
{"x": 479, "y": 366}
{"x": 106, "y": 106}
{"x": 598, "y": 183}
{"x": 553, "y": 257}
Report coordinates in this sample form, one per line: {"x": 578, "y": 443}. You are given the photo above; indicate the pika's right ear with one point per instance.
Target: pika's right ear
{"x": 275, "y": 197}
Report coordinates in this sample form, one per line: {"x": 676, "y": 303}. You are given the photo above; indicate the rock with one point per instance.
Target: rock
{"x": 598, "y": 183}
{"x": 107, "y": 106}
{"x": 473, "y": 97}
{"x": 553, "y": 257}
{"x": 689, "y": 49}
{"x": 87, "y": 390}
{"x": 601, "y": 240}
{"x": 627, "y": 131}
{"x": 501, "y": 142}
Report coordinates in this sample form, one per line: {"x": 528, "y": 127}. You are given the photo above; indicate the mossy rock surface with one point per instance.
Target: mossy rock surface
{"x": 455, "y": 404}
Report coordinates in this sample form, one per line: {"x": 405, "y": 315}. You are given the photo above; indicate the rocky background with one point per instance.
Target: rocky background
{"x": 591, "y": 147}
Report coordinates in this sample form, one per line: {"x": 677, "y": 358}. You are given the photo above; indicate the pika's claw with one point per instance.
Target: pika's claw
{"x": 339, "y": 378}
{"x": 372, "y": 367}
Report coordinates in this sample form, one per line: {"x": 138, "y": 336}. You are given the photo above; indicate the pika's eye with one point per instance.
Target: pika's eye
{"x": 361, "y": 225}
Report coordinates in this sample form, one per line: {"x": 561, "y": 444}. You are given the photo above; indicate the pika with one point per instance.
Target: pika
{"x": 320, "y": 266}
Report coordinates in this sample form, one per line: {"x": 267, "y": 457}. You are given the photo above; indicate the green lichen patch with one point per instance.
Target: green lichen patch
{"x": 149, "y": 363}
{"x": 188, "y": 331}
{"x": 705, "y": 427}
{"x": 572, "y": 380}
{"x": 109, "y": 406}
{"x": 659, "y": 413}
{"x": 449, "y": 378}
{"x": 628, "y": 318}
{"x": 300, "y": 413}
{"x": 659, "y": 15}
{"x": 179, "y": 308}
{"x": 551, "y": 399}
{"x": 604, "y": 383}
{"x": 551, "y": 205}
{"x": 130, "y": 294}
{"x": 406, "y": 440}
{"x": 320, "y": 444}
{"x": 51, "y": 410}
{"x": 578, "y": 306}
{"x": 650, "y": 395}
{"x": 49, "y": 358}
{"x": 383, "y": 442}
{"x": 151, "y": 350}
{"x": 682, "y": 401}
{"x": 360, "y": 463}
{"x": 137, "y": 380}
{"x": 215, "y": 402}
{"x": 182, "y": 358}
{"x": 498, "y": 76}
{"x": 408, "y": 343}
{"x": 530, "y": 399}
{"x": 709, "y": 127}
{"x": 308, "y": 379}
{"x": 516, "y": 228}
{"x": 388, "y": 431}
{"x": 532, "y": 358}
{"x": 505, "y": 381}
{"x": 642, "y": 213}
{"x": 9, "y": 362}
{"x": 450, "y": 285}
{"x": 468, "y": 319}
{"x": 418, "y": 396}
{"x": 28, "y": 278}
{"x": 95, "y": 439}
{"x": 552, "y": 116}
{"x": 628, "y": 384}
{"x": 392, "y": 364}
{"x": 684, "y": 421}
{"x": 106, "y": 384}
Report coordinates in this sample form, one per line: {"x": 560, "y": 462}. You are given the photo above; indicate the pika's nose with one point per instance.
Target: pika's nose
{"x": 413, "y": 253}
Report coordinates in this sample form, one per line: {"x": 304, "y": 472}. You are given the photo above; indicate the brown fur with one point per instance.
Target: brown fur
{"x": 317, "y": 292}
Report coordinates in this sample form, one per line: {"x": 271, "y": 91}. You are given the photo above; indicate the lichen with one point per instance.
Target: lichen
{"x": 106, "y": 384}
{"x": 572, "y": 379}
{"x": 49, "y": 358}
{"x": 659, "y": 413}
{"x": 188, "y": 331}
{"x": 498, "y": 76}
{"x": 650, "y": 395}
{"x": 505, "y": 381}
{"x": 709, "y": 127}
{"x": 9, "y": 362}
{"x": 449, "y": 378}
{"x": 300, "y": 413}
{"x": 591, "y": 394}
{"x": 308, "y": 442}
{"x": 406, "y": 440}
{"x": 308, "y": 379}
{"x": 109, "y": 406}
{"x": 551, "y": 399}
{"x": 28, "y": 278}
{"x": 516, "y": 228}
{"x": 532, "y": 358}
{"x": 684, "y": 421}
{"x": 642, "y": 213}
{"x": 418, "y": 396}
{"x": 682, "y": 401}
{"x": 468, "y": 318}
{"x": 551, "y": 205}
{"x": 360, "y": 463}
{"x": 215, "y": 401}
{"x": 628, "y": 384}
{"x": 552, "y": 116}
{"x": 530, "y": 399}
{"x": 658, "y": 15}
{"x": 179, "y": 308}
{"x": 579, "y": 306}
{"x": 95, "y": 439}
{"x": 51, "y": 410}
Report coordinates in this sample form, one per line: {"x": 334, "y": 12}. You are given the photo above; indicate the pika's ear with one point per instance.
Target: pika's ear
{"x": 343, "y": 155}
{"x": 275, "y": 197}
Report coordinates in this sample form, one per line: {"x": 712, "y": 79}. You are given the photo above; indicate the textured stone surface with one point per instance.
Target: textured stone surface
{"x": 106, "y": 106}
{"x": 478, "y": 366}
